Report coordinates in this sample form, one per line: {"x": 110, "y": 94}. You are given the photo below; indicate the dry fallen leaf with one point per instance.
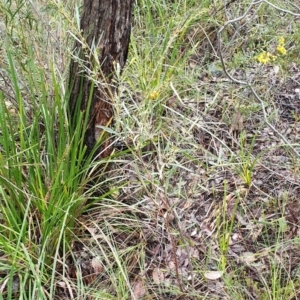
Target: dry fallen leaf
{"x": 97, "y": 266}
{"x": 195, "y": 253}
{"x": 92, "y": 230}
{"x": 248, "y": 257}
{"x": 61, "y": 284}
{"x": 237, "y": 123}
{"x": 139, "y": 290}
{"x": 171, "y": 265}
{"x": 213, "y": 275}
{"x": 158, "y": 276}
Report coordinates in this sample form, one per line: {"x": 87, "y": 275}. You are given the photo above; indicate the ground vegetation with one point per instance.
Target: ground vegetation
{"x": 202, "y": 197}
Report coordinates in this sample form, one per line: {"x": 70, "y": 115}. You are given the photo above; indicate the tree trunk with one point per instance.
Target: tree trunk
{"x": 105, "y": 27}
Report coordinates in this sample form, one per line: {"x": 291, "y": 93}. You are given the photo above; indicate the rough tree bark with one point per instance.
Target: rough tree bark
{"x": 105, "y": 24}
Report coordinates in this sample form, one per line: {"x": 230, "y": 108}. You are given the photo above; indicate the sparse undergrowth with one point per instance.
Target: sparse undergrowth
{"x": 202, "y": 203}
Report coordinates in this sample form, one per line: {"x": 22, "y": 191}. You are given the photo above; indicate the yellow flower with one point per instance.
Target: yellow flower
{"x": 265, "y": 57}
{"x": 281, "y": 41}
{"x": 281, "y": 50}
{"x": 153, "y": 95}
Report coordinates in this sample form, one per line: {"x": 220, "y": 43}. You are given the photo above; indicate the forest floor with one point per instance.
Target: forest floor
{"x": 204, "y": 185}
